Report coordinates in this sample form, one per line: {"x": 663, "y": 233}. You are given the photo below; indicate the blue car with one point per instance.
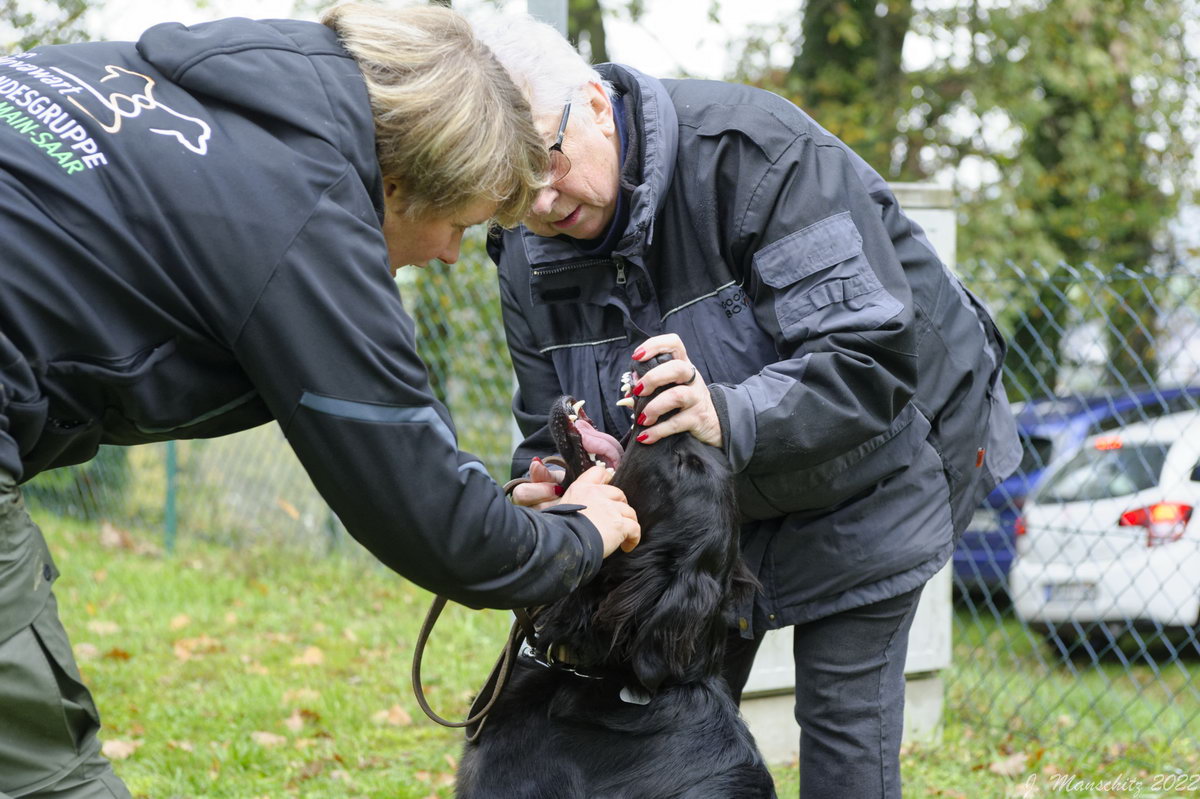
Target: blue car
{"x": 1048, "y": 428}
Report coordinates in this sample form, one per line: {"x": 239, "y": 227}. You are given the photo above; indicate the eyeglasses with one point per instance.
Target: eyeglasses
{"x": 560, "y": 165}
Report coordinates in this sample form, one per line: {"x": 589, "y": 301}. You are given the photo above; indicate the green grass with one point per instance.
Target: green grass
{"x": 271, "y": 672}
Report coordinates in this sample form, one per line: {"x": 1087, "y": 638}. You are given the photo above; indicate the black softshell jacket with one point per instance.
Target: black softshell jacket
{"x": 190, "y": 245}
{"x": 856, "y": 379}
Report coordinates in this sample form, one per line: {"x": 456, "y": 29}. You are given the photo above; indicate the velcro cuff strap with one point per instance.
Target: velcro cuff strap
{"x": 563, "y": 509}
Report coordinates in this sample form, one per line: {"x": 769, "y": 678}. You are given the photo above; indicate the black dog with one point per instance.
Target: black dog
{"x": 621, "y": 696}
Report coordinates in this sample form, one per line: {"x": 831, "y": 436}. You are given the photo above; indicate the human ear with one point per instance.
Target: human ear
{"x": 601, "y": 107}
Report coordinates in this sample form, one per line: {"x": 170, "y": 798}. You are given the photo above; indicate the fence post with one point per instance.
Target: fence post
{"x": 170, "y": 519}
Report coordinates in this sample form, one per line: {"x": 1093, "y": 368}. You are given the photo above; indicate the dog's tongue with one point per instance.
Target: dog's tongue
{"x": 597, "y": 443}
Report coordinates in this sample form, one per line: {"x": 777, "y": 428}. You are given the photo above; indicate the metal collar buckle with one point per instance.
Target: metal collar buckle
{"x": 550, "y": 661}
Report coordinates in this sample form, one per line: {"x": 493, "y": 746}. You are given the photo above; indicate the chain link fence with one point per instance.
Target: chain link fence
{"x": 1076, "y": 605}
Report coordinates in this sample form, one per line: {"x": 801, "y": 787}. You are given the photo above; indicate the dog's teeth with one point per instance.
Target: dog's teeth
{"x": 592, "y": 457}
{"x": 572, "y": 417}
{"x": 575, "y": 407}
{"x": 611, "y": 471}
{"x": 626, "y": 403}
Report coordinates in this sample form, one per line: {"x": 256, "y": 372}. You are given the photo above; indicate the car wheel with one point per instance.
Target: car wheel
{"x": 1082, "y": 641}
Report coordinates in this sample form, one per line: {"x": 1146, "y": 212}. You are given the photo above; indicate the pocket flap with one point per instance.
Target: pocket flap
{"x": 818, "y": 246}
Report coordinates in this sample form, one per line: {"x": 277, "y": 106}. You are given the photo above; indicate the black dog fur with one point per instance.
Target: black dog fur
{"x": 652, "y": 623}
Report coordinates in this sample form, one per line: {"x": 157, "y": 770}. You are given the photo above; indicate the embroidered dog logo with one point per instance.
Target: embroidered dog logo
{"x": 131, "y": 95}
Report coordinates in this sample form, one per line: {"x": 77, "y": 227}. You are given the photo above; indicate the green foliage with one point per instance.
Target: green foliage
{"x": 28, "y": 23}
{"x": 1076, "y": 113}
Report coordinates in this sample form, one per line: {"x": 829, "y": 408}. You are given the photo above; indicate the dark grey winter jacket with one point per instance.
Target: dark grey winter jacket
{"x": 191, "y": 245}
{"x": 856, "y": 379}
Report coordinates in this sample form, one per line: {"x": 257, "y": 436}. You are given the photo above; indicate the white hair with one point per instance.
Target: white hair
{"x": 543, "y": 64}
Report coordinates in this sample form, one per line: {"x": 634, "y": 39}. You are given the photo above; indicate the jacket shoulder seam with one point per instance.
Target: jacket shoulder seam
{"x": 349, "y": 169}
{"x": 750, "y": 203}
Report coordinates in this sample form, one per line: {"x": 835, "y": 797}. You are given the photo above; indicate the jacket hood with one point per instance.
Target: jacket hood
{"x": 655, "y": 130}
{"x": 293, "y": 71}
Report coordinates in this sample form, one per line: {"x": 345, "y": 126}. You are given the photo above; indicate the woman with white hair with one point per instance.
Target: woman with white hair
{"x": 200, "y": 234}
{"x": 851, "y": 380}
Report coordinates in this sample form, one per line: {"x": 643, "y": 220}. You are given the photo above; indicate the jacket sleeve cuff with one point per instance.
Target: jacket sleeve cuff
{"x": 591, "y": 544}
{"x": 735, "y": 412}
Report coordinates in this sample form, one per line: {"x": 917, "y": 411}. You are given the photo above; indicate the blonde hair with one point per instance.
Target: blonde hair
{"x": 450, "y": 125}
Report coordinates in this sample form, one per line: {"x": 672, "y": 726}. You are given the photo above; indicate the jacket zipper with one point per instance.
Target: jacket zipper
{"x": 620, "y": 271}
{"x": 555, "y": 270}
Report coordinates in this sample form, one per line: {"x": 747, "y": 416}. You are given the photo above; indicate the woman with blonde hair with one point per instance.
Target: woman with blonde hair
{"x": 200, "y": 231}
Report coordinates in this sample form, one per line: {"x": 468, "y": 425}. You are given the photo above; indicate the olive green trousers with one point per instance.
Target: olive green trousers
{"x": 48, "y": 722}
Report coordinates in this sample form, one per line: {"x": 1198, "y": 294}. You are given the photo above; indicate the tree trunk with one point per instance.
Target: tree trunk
{"x": 849, "y": 72}
{"x": 585, "y": 29}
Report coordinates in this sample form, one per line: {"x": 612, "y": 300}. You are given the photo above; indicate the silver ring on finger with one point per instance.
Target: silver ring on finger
{"x": 691, "y": 379}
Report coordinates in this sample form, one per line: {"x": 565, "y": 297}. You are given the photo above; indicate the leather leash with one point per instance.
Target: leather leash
{"x": 522, "y": 629}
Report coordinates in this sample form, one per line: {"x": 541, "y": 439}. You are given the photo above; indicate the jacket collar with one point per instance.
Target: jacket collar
{"x": 653, "y": 128}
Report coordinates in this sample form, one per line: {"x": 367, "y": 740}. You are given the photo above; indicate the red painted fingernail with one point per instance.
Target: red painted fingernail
{"x": 638, "y": 354}
{"x": 641, "y": 420}
{"x": 537, "y": 460}
{"x": 643, "y": 436}
{"x": 559, "y": 490}
{"x": 637, "y": 390}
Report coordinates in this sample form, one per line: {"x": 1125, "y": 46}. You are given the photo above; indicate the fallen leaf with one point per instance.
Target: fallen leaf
{"x": 86, "y": 651}
{"x": 312, "y": 656}
{"x": 1024, "y": 790}
{"x": 444, "y": 780}
{"x": 268, "y": 740}
{"x": 230, "y": 617}
{"x": 395, "y": 716}
{"x": 422, "y": 776}
{"x": 186, "y": 746}
{"x": 180, "y": 621}
{"x": 1009, "y": 766}
{"x": 294, "y": 722}
{"x": 119, "y": 749}
{"x": 258, "y": 668}
{"x": 103, "y": 627}
{"x": 188, "y": 648}
{"x": 112, "y": 537}
{"x": 451, "y": 761}
{"x": 116, "y": 653}
{"x": 100, "y": 575}
{"x": 288, "y": 508}
{"x": 300, "y": 695}
{"x": 349, "y": 635}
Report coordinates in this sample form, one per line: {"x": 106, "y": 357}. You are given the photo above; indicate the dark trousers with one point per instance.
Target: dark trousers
{"x": 48, "y": 722}
{"x": 849, "y": 697}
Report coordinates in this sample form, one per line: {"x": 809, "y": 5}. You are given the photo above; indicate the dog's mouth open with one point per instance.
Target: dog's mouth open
{"x": 581, "y": 445}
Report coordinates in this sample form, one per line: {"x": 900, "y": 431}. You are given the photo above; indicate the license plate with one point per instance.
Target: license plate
{"x": 1069, "y": 592}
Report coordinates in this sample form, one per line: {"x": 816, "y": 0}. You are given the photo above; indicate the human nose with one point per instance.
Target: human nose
{"x": 452, "y": 250}
{"x": 544, "y": 201}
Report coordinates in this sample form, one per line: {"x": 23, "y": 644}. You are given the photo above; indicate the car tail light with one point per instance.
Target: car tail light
{"x": 1019, "y": 527}
{"x": 1164, "y": 521}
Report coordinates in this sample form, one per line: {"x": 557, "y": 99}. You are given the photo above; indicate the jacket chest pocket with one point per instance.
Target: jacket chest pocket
{"x": 822, "y": 283}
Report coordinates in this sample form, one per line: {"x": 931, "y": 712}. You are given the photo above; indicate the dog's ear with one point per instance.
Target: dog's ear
{"x": 682, "y": 624}
{"x": 743, "y": 586}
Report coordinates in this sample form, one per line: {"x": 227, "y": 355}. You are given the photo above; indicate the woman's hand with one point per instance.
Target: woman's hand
{"x": 605, "y": 505}
{"x": 690, "y": 395}
{"x": 607, "y": 508}
{"x": 543, "y": 489}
